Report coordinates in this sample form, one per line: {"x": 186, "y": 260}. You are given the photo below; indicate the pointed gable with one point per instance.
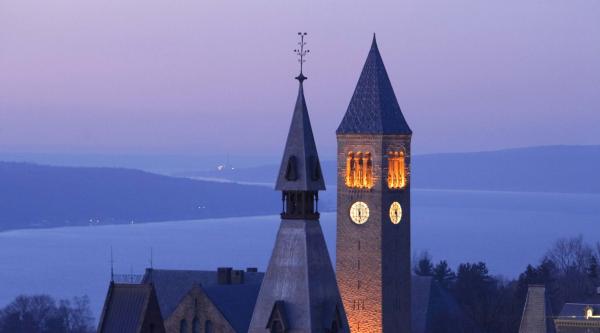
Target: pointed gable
{"x": 278, "y": 320}
{"x": 373, "y": 108}
{"x": 131, "y": 308}
{"x": 300, "y": 168}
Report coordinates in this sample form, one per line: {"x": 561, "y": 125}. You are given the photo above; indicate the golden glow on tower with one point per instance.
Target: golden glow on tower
{"x": 396, "y": 170}
{"x": 359, "y": 170}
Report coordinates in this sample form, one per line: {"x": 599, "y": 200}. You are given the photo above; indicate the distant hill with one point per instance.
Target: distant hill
{"x": 42, "y": 196}
{"x": 572, "y": 169}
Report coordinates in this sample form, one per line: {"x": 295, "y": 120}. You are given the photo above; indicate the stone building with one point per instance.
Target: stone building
{"x": 131, "y": 308}
{"x": 580, "y": 317}
{"x": 299, "y": 292}
{"x": 373, "y": 261}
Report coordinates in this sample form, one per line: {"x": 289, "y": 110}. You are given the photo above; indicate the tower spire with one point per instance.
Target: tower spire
{"x": 301, "y": 53}
{"x": 299, "y": 292}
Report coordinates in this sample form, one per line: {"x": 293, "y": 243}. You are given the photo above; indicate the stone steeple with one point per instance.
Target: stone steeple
{"x": 299, "y": 292}
{"x": 373, "y": 205}
{"x": 373, "y": 108}
{"x": 300, "y": 168}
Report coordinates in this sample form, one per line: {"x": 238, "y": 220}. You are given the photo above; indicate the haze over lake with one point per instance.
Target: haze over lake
{"x": 507, "y": 230}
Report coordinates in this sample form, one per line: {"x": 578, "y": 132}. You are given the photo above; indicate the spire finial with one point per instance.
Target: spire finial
{"x": 374, "y": 42}
{"x": 301, "y": 53}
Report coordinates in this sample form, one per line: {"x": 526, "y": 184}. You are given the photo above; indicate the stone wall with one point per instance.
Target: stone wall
{"x": 196, "y": 304}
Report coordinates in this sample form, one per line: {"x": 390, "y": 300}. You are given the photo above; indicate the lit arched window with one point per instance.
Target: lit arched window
{"x": 359, "y": 170}
{"x": 183, "y": 326}
{"x": 396, "y": 170}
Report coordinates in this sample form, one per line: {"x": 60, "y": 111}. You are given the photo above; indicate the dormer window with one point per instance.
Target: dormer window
{"x": 397, "y": 177}
{"x": 277, "y": 322}
{"x": 291, "y": 173}
{"x": 359, "y": 170}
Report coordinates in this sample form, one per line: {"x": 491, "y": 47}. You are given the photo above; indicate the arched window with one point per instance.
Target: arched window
{"x": 208, "y": 326}
{"x": 196, "y": 325}
{"x": 359, "y": 170}
{"x": 183, "y": 326}
{"x": 396, "y": 170}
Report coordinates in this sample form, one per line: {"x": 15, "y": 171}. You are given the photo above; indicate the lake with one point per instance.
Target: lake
{"x": 507, "y": 230}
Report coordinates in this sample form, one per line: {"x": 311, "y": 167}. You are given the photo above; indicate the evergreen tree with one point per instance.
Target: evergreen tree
{"x": 424, "y": 266}
{"x": 443, "y": 274}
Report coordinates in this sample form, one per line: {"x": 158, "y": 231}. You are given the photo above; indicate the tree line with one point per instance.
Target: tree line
{"x": 43, "y": 314}
{"x": 493, "y": 304}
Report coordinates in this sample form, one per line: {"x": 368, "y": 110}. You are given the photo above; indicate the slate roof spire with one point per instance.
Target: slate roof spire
{"x": 373, "y": 108}
{"x": 300, "y": 167}
{"x": 299, "y": 292}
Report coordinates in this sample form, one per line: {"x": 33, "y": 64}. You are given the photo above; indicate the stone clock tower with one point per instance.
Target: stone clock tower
{"x": 373, "y": 206}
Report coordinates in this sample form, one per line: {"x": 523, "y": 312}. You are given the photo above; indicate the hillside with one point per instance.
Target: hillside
{"x": 565, "y": 169}
{"x": 40, "y": 196}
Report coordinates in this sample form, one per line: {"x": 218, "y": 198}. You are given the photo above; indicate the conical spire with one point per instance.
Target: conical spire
{"x": 374, "y": 108}
{"x": 300, "y": 167}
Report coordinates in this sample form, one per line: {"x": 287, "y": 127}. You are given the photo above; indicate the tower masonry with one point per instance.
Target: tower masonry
{"x": 373, "y": 206}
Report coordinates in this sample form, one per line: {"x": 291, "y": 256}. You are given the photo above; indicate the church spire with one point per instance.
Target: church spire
{"x": 299, "y": 292}
{"x": 300, "y": 167}
{"x": 374, "y": 108}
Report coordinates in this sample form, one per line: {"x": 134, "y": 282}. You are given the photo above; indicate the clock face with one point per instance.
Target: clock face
{"x": 395, "y": 212}
{"x": 359, "y": 212}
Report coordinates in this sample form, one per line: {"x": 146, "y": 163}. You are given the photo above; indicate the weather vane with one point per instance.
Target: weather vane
{"x": 301, "y": 53}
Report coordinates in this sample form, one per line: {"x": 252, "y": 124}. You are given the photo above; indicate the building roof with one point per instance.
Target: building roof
{"x": 577, "y": 311}
{"x": 434, "y": 309}
{"x": 373, "y": 108}
{"x": 300, "y": 275}
{"x": 126, "y": 307}
{"x": 235, "y": 301}
{"x": 300, "y": 167}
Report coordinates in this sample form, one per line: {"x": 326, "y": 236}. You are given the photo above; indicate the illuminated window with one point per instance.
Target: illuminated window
{"x": 359, "y": 170}
{"x": 589, "y": 312}
{"x": 396, "y": 170}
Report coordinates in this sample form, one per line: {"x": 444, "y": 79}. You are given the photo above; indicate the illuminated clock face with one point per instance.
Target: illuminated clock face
{"x": 395, "y": 212}
{"x": 359, "y": 212}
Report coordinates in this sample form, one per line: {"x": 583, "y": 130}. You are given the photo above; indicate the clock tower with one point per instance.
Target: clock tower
{"x": 373, "y": 265}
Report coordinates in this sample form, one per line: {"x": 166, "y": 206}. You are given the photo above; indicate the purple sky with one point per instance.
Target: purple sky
{"x": 158, "y": 76}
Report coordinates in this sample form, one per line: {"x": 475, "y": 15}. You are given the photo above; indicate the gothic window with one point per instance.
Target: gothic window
{"x": 359, "y": 170}
{"x": 277, "y": 322}
{"x": 396, "y": 170}
{"x": 208, "y": 326}
{"x": 290, "y": 172}
{"x": 183, "y": 326}
{"x": 196, "y": 325}
{"x": 315, "y": 168}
